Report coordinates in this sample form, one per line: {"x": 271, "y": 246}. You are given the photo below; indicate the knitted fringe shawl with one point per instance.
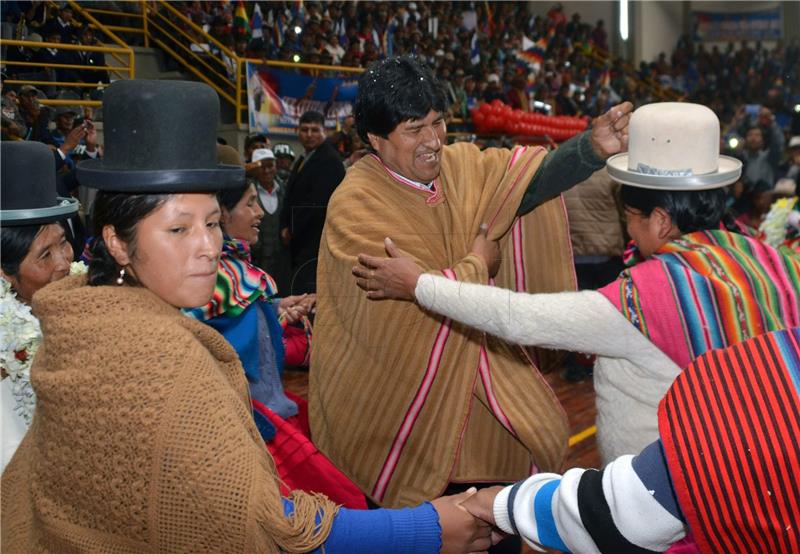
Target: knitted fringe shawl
{"x": 142, "y": 439}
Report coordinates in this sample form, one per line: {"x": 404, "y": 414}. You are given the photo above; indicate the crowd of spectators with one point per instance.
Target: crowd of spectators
{"x": 40, "y": 22}
{"x": 552, "y": 63}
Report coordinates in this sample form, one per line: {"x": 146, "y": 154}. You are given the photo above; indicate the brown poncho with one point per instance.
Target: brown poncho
{"x": 404, "y": 401}
{"x": 142, "y": 439}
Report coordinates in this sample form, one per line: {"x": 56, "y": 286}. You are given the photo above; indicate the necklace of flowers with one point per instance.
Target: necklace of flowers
{"x": 20, "y": 337}
{"x": 774, "y": 224}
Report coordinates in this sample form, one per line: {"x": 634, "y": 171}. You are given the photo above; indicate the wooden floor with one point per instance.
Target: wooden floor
{"x": 577, "y": 399}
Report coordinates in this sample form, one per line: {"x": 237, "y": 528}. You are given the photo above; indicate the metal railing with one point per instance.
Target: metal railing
{"x": 214, "y": 63}
{"x": 199, "y": 53}
{"x": 120, "y": 52}
{"x": 161, "y": 24}
{"x": 603, "y": 58}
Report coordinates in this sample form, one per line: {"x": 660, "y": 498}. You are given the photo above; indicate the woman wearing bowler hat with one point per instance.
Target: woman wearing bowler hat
{"x": 33, "y": 253}
{"x": 697, "y": 287}
{"x": 143, "y": 439}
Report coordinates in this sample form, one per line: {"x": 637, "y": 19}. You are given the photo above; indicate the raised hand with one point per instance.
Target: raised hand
{"x": 73, "y": 139}
{"x": 461, "y": 532}
{"x": 487, "y": 249}
{"x": 393, "y": 278}
{"x": 91, "y": 136}
{"x": 609, "y": 134}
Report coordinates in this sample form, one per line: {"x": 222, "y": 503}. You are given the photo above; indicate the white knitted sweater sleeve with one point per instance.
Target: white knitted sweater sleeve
{"x": 582, "y": 321}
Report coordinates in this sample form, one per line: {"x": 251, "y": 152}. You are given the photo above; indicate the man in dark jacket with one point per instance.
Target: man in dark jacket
{"x": 311, "y": 183}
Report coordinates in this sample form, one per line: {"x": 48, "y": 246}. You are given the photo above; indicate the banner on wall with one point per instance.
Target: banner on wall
{"x": 276, "y": 99}
{"x": 736, "y": 26}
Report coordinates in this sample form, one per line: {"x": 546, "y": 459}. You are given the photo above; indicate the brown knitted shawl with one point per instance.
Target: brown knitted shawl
{"x": 398, "y": 398}
{"x": 142, "y": 439}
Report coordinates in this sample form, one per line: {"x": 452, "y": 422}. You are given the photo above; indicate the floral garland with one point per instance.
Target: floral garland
{"x": 774, "y": 224}
{"x": 20, "y": 337}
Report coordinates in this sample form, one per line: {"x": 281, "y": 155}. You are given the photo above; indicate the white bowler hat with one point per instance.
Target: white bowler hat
{"x": 674, "y": 146}
{"x": 262, "y": 154}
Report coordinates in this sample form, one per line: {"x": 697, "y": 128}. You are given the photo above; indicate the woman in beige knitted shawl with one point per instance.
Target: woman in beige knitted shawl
{"x": 143, "y": 439}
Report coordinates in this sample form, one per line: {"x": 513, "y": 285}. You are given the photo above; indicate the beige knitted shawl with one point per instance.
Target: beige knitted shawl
{"x": 142, "y": 439}
{"x": 401, "y": 399}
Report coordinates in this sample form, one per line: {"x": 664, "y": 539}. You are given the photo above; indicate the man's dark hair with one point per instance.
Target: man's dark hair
{"x": 250, "y": 140}
{"x": 312, "y": 117}
{"x": 690, "y": 210}
{"x": 395, "y": 90}
{"x": 756, "y": 127}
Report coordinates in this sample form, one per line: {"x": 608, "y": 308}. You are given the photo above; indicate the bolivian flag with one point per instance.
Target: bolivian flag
{"x": 241, "y": 23}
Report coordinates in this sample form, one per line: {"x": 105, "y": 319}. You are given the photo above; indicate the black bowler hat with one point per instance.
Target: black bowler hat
{"x": 28, "y": 186}
{"x": 160, "y": 136}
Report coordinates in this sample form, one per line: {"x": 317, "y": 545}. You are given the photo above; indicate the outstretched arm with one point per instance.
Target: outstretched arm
{"x": 565, "y": 320}
{"x": 629, "y": 506}
{"x": 575, "y": 160}
{"x": 440, "y": 526}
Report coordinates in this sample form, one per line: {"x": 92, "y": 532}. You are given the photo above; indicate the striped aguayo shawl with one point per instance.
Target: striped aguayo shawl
{"x": 405, "y": 401}
{"x": 239, "y": 283}
{"x": 730, "y": 425}
{"x": 709, "y": 289}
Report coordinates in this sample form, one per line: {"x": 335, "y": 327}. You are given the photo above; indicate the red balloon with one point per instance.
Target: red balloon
{"x": 478, "y": 119}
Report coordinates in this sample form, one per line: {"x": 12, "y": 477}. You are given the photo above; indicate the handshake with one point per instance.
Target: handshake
{"x": 467, "y": 520}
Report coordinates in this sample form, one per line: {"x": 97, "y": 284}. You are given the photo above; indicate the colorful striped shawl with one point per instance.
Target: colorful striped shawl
{"x": 709, "y": 289}
{"x": 239, "y": 283}
{"x": 730, "y": 425}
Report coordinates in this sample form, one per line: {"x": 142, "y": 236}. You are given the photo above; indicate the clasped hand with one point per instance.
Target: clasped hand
{"x": 467, "y": 520}
{"x": 294, "y": 308}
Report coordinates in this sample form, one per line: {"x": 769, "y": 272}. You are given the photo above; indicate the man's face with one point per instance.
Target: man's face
{"x": 284, "y": 163}
{"x": 754, "y": 140}
{"x": 28, "y": 100}
{"x": 414, "y": 148}
{"x": 64, "y": 122}
{"x": 311, "y": 135}
{"x": 267, "y": 171}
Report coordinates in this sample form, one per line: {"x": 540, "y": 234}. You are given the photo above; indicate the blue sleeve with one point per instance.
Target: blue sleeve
{"x": 406, "y": 531}
{"x": 651, "y": 467}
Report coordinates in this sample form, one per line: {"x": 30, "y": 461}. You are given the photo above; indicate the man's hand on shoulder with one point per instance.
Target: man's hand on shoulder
{"x": 609, "y": 133}
{"x": 487, "y": 249}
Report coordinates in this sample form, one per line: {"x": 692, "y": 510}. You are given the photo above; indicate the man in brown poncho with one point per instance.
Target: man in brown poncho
{"x": 406, "y": 402}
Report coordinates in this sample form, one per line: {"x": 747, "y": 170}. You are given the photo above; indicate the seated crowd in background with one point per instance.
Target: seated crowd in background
{"x": 474, "y": 49}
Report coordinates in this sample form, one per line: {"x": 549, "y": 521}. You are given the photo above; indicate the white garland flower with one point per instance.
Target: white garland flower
{"x": 20, "y": 337}
{"x": 774, "y": 224}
